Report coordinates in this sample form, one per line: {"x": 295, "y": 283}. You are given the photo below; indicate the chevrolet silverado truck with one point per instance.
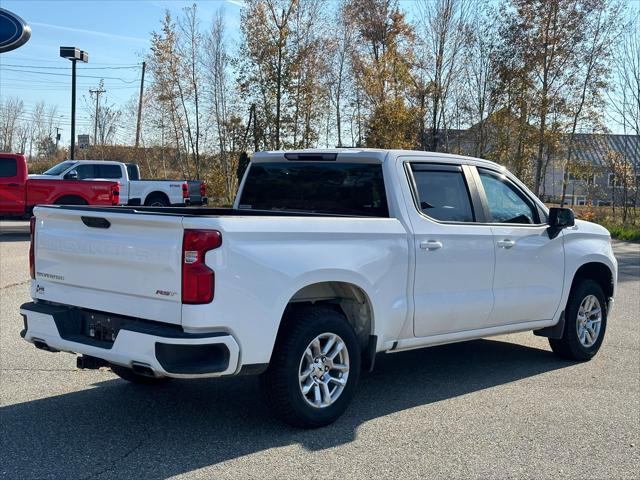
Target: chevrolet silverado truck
{"x": 19, "y": 193}
{"x": 133, "y": 190}
{"x": 326, "y": 258}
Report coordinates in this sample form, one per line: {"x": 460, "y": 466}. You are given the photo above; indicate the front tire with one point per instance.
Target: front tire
{"x": 314, "y": 368}
{"x": 585, "y": 323}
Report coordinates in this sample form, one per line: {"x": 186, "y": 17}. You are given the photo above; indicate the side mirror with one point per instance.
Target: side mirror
{"x": 72, "y": 175}
{"x": 560, "y": 218}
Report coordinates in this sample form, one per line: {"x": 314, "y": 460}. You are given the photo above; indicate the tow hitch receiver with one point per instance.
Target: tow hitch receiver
{"x": 90, "y": 363}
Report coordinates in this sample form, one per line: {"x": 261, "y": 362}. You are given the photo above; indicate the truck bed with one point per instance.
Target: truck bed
{"x": 128, "y": 260}
{"x": 208, "y": 212}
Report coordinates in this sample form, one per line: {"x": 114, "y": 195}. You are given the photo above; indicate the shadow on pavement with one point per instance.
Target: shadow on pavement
{"x": 14, "y": 237}
{"x": 119, "y": 429}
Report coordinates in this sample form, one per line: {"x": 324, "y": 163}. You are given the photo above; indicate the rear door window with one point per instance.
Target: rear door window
{"x": 442, "y": 192}
{"x": 8, "y": 167}
{"x": 333, "y": 188}
{"x": 108, "y": 171}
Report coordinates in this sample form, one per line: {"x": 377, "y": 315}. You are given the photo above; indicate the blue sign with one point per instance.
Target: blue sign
{"x": 14, "y": 31}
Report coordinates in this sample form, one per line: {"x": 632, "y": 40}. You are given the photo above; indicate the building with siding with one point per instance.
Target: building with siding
{"x": 590, "y": 177}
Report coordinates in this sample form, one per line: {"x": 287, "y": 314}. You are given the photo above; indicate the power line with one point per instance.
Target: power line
{"x": 67, "y": 75}
{"x": 132, "y": 66}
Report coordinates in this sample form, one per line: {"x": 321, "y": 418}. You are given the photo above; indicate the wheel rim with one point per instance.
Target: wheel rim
{"x": 324, "y": 370}
{"x": 157, "y": 204}
{"x": 589, "y": 320}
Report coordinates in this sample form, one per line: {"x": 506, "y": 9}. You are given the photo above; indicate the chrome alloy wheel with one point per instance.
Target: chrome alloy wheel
{"x": 589, "y": 320}
{"x": 324, "y": 369}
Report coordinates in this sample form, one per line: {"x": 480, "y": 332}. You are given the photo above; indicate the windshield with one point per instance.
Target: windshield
{"x": 59, "y": 168}
{"x": 333, "y": 188}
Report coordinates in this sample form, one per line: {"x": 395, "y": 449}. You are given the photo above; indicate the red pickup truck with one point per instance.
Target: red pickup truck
{"x": 19, "y": 194}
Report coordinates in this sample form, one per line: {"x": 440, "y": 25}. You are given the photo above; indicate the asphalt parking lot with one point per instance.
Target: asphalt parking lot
{"x": 505, "y": 407}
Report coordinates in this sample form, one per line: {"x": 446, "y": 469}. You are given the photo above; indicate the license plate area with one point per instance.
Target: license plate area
{"x": 101, "y": 327}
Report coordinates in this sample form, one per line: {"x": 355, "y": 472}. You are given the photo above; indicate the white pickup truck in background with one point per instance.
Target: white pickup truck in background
{"x": 328, "y": 257}
{"x": 133, "y": 190}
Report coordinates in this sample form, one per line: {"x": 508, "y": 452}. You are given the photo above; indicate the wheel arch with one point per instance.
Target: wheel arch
{"x": 349, "y": 298}
{"x": 74, "y": 198}
{"x": 157, "y": 193}
{"x": 597, "y": 271}
{"x": 593, "y": 269}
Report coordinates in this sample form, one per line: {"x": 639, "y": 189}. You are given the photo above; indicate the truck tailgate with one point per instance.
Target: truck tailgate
{"x": 123, "y": 263}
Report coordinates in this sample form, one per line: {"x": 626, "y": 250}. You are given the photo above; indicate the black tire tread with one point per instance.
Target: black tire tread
{"x": 569, "y": 347}
{"x": 159, "y": 197}
{"x": 273, "y": 381}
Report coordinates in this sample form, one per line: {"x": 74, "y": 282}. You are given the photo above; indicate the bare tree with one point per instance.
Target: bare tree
{"x": 442, "y": 29}
{"x": 624, "y": 101}
{"x": 341, "y": 51}
{"x": 11, "y": 112}
{"x": 189, "y": 47}
{"x": 594, "y": 64}
{"x": 479, "y": 92}
{"x": 217, "y": 61}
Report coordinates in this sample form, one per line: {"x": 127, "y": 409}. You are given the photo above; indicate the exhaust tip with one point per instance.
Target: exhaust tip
{"x": 42, "y": 345}
{"x": 142, "y": 369}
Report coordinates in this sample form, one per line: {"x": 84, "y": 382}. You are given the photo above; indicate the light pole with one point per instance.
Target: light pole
{"x": 74, "y": 54}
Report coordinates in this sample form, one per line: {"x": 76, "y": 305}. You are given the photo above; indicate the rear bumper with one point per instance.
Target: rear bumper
{"x": 166, "y": 350}
{"x": 203, "y": 201}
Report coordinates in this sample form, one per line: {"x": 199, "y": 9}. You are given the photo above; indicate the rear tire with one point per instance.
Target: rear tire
{"x": 156, "y": 200}
{"x": 130, "y": 376}
{"x": 585, "y": 323}
{"x": 305, "y": 358}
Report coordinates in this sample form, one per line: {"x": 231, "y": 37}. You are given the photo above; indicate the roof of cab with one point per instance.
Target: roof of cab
{"x": 107, "y": 162}
{"x": 381, "y": 155}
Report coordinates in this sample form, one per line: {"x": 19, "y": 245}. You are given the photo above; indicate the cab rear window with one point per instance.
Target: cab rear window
{"x": 8, "y": 167}
{"x": 333, "y": 188}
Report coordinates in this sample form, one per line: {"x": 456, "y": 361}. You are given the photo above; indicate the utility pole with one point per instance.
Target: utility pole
{"x": 57, "y": 137}
{"x": 95, "y": 125}
{"x": 144, "y": 65}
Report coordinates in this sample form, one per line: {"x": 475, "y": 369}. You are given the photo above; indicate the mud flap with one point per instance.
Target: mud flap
{"x": 556, "y": 331}
{"x": 369, "y": 354}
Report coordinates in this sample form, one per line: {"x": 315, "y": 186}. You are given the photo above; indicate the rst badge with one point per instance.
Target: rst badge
{"x": 14, "y": 31}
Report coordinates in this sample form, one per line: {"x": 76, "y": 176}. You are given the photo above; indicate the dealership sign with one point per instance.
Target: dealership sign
{"x": 14, "y": 31}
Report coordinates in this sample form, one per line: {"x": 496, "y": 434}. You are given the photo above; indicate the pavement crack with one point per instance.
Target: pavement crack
{"x": 38, "y": 369}
{"x": 111, "y": 466}
{"x": 15, "y": 284}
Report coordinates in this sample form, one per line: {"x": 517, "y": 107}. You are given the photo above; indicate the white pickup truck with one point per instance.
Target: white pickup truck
{"x": 326, "y": 258}
{"x": 133, "y": 190}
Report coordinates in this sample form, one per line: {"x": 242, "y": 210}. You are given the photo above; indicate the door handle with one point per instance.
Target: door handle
{"x": 430, "y": 245}
{"x": 13, "y": 185}
{"x": 506, "y": 243}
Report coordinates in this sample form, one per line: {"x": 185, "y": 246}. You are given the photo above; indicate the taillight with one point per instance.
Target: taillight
{"x": 198, "y": 280}
{"x": 203, "y": 189}
{"x": 32, "y": 247}
{"x": 115, "y": 194}
{"x": 185, "y": 190}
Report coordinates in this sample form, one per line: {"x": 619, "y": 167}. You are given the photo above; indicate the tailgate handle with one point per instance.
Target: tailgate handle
{"x": 96, "y": 222}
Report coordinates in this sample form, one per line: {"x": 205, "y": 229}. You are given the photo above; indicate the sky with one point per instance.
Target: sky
{"x": 116, "y": 35}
